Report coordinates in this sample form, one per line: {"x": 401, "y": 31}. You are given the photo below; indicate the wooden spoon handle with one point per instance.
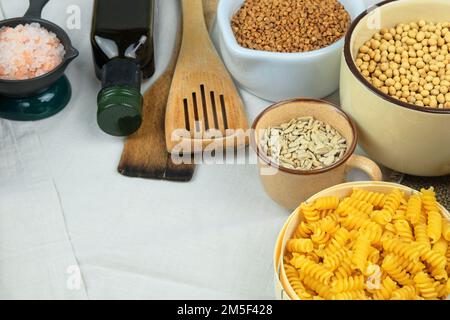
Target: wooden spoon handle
{"x": 195, "y": 31}
{"x": 209, "y": 8}
{"x": 193, "y": 14}
{"x": 184, "y": 172}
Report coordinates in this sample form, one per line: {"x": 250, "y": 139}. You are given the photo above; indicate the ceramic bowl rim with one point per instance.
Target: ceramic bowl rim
{"x": 354, "y": 70}
{"x": 350, "y": 150}
{"x": 231, "y": 42}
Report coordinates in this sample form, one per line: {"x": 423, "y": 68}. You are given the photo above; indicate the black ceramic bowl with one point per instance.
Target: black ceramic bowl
{"x": 34, "y": 86}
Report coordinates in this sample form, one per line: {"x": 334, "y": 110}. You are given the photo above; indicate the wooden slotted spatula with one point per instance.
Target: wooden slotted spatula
{"x": 204, "y": 106}
{"x": 145, "y": 153}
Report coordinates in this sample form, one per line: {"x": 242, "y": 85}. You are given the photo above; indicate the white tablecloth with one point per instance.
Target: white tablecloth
{"x": 63, "y": 205}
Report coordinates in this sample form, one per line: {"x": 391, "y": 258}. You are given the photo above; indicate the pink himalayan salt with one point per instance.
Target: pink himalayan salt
{"x": 28, "y": 51}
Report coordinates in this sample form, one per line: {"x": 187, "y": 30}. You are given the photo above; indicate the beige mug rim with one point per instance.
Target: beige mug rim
{"x": 350, "y": 150}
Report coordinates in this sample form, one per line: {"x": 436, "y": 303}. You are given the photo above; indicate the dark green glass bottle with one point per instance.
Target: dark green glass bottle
{"x": 123, "y": 51}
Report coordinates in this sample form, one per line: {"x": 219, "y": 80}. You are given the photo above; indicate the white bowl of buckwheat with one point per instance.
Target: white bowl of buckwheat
{"x": 285, "y": 49}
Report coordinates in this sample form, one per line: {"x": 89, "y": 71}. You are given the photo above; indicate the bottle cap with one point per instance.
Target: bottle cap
{"x": 119, "y": 110}
{"x": 120, "y": 101}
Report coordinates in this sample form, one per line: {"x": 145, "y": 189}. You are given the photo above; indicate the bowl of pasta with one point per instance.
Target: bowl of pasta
{"x": 364, "y": 241}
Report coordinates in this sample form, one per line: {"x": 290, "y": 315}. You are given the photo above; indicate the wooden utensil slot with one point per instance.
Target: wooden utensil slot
{"x": 203, "y": 99}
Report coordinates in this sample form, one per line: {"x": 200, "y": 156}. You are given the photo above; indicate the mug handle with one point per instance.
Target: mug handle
{"x": 366, "y": 165}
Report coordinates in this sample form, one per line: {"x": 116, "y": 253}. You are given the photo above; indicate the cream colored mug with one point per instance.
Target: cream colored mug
{"x": 289, "y": 187}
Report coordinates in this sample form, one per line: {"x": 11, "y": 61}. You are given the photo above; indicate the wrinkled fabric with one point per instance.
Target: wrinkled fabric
{"x": 36, "y": 256}
{"x": 212, "y": 238}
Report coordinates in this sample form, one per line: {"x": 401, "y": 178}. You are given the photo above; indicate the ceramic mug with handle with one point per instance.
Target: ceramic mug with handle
{"x": 289, "y": 187}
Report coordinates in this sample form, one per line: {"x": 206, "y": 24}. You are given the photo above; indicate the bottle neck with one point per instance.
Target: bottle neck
{"x": 122, "y": 72}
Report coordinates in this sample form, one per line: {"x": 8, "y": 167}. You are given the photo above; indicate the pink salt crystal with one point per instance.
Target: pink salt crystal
{"x": 28, "y": 51}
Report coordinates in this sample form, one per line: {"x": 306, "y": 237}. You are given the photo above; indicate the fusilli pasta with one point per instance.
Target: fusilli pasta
{"x": 393, "y": 268}
{"x": 404, "y": 293}
{"x": 386, "y": 289}
{"x": 404, "y": 230}
{"x": 310, "y": 268}
{"x": 374, "y": 198}
{"x": 360, "y": 253}
{"x": 297, "y": 285}
{"x": 370, "y": 246}
{"x": 326, "y": 203}
{"x": 446, "y": 229}
{"x": 348, "y": 284}
{"x": 425, "y": 286}
{"x": 300, "y": 245}
{"x": 414, "y": 209}
{"x": 434, "y": 228}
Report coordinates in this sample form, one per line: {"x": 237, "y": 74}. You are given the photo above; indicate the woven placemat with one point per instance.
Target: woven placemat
{"x": 440, "y": 184}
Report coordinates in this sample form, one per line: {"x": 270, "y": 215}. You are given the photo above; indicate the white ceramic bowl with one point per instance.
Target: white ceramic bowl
{"x": 280, "y": 76}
